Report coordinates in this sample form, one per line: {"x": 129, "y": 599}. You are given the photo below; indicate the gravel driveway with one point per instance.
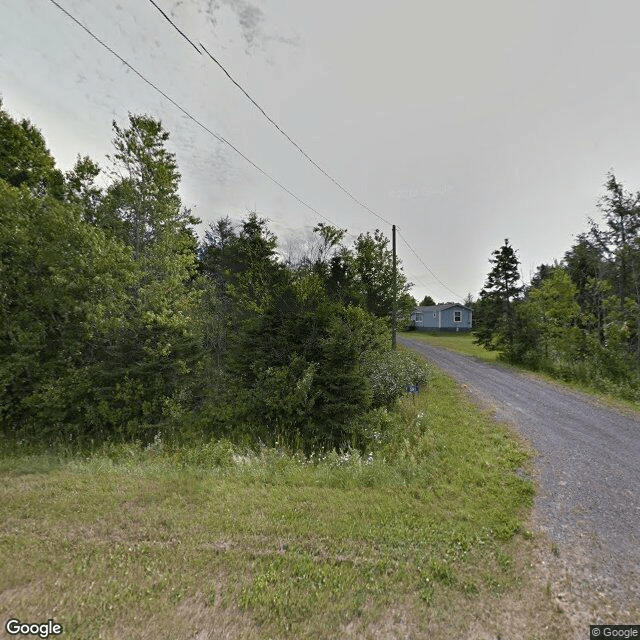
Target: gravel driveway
{"x": 588, "y": 475}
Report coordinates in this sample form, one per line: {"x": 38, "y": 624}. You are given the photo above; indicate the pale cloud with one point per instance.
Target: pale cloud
{"x": 251, "y": 21}
{"x": 463, "y": 123}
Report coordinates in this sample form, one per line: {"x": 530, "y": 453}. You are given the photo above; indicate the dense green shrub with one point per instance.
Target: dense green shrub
{"x": 114, "y": 326}
{"x": 389, "y": 373}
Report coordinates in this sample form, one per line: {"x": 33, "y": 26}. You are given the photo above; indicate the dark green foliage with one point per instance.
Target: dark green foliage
{"x": 504, "y": 277}
{"x": 82, "y": 189}
{"x": 96, "y": 337}
{"x": 62, "y": 290}
{"x": 495, "y": 319}
{"x": 334, "y": 264}
{"x": 299, "y": 366}
{"x": 547, "y": 328}
{"x": 427, "y": 301}
{"x": 156, "y": 350}
{"x": 619, "y": 239}
{"x": 296, "y": 339}
{"x": 25, "y": 159}
{"x": 114, "y": 325}
{"x": 242, "y": 262}
{"x": 543, "y": 272}
{"x": 361, "y": 275}
{"x": 580, "y": 320}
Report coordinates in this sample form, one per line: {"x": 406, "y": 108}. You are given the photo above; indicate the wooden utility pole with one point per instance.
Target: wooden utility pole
{"x": 394, "y": 312}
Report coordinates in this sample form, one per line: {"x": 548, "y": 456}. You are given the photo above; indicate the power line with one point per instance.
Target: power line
{"x": 232, "y": 146}
{"x": 272, "y": 121}
{"x": 428, "y": 269}
{"x": 191, "y": 117}
{"x": 173, "y": 24}
{"x": 297, "y": 146}
{"x": 293, "y": 142}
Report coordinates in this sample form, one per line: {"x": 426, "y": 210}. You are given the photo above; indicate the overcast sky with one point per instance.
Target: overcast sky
{"x": 462, "y": 122}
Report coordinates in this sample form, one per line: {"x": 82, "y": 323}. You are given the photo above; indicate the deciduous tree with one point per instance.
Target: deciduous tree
{"x": 25, "y": 159}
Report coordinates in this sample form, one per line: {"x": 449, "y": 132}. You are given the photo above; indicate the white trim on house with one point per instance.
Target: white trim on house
{"x": 457, "y": 317}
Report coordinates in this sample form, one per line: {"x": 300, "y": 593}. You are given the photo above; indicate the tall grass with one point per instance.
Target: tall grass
{"x": 417, "y": 536}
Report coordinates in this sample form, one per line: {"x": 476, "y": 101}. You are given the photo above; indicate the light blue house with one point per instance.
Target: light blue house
{"x": 442, "y": 317}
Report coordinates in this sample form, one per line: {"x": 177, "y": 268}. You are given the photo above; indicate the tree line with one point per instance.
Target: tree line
{"x": 579, "y": 318}
{"x": 118, "y": 323}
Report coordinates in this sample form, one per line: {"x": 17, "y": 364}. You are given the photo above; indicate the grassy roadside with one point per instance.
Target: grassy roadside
{"x": 463, "y": 343}
{"x": 458, "y": 342}
{"x": 422, "y": 538}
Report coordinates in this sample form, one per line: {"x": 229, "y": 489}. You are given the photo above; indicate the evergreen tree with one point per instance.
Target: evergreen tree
{"x": 297, "y": 367}
{"x": 496, "y": 321}
{"x": 243, "y": 261}
{"x": 108, "y": 330}
{"x": 427, "y": 301}
{"x": 586, "y": 266}
{"x": 241, "y": 275}
{"x": 621, "y": 239}
{"x": 621, "y": 210}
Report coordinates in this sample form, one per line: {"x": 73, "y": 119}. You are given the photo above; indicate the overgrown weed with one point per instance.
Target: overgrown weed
{"x": 297, "y": 545}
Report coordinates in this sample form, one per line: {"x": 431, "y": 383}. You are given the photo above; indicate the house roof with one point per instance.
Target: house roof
{"x": 441, "y": 307}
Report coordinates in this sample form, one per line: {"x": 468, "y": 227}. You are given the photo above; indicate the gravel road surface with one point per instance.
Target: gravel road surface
{"x": 588, "y": 474}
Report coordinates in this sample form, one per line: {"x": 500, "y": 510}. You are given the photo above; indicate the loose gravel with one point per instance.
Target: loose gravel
{"x": 588, "y": 476}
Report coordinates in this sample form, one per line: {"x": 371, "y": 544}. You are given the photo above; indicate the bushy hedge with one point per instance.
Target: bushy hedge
{"x": 390, "y": 372}
{"x": 115, "y": 327}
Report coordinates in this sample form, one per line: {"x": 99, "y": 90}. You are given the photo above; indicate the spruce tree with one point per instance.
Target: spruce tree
{"x": 427, "y": 301}
{"x": 495, "y": 324}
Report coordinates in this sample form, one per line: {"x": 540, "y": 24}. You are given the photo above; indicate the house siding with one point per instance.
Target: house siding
{"x": 442, "y": 318}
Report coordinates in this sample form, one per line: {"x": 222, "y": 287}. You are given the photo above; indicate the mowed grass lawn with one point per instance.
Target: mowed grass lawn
{"x": 461, "y": 342}
{"x": 424, "y": 538}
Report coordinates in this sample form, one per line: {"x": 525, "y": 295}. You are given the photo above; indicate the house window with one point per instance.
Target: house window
{"x": 418, "y": 318}
{"x": 434, "y": 314}
{"x": 457, "y": 316}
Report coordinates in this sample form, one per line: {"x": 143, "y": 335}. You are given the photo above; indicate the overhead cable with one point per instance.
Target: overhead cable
{"x": 173, "y": 24}
{"x": 193, "y": 118}
{"x": 427, "y": 267}
{"x": 232, "y": 146}
{"x": 296, "y": 145}
{"x": 293, "y": 142}
{"x": 272, "y": 121}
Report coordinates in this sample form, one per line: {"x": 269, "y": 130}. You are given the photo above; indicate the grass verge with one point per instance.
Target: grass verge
{"x": 422, "y": 537}
{"x": 463, "y": 343}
